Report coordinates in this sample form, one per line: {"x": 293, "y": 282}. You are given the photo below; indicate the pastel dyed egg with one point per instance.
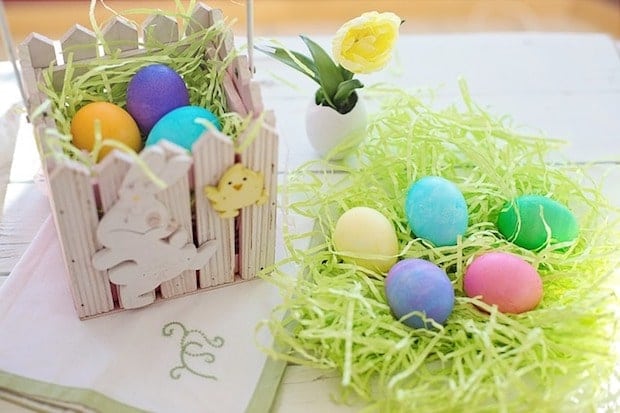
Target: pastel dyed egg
{"x": 421, "y": 286}
{"x": 365, "y": 237}
{"x": 114, "y": 124}
{"x": 154, "y": 91}
{"x": 183, "y": 126}
{"x": 504, "y": 280}
{"x": 532, "y": 221}
{"x": 436, "y": 210}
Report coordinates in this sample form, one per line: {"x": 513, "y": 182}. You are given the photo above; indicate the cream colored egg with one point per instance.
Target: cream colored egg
{"x": 364, "y": 236}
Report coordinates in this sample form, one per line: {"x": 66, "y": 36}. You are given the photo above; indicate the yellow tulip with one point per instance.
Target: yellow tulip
{"x": 364, "y": 44}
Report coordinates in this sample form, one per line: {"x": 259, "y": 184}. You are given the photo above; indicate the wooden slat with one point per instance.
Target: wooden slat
{"x": 234, "y": 102}
{"x": 39, "y": 127}
{"x": 248, "y": 90}
{"x": 213, "y": 154}
{"x": 110, "y": 173}
{"x": 40, "y": 50}
{"x": 253, "y": 98}
{"x": 200, "y": 18}
{"x": 35, "y": 53}
{"x": 76, "y": 219}
{"x": 80, "y": 42}
{"x": 257, "y": 226}
{"x": 161, "y": 29}
{"x": 204, "y": 17}
{"x": 226, "y": 42}
{"x": 177, "y": 199}
{"x": 120, "y": 35}
{"x": 33, "y": 48}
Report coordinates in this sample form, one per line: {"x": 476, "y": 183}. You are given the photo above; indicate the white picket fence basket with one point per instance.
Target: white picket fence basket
{"x": 81, "y": 198}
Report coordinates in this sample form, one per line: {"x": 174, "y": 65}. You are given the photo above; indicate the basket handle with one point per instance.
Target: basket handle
{"x": 8, "y": 43}
{"x": 250, "y": 34}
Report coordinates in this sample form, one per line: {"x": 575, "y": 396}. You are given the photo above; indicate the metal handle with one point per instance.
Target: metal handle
{"x": 8, "y": 43}
{"x": 250, "y": 34}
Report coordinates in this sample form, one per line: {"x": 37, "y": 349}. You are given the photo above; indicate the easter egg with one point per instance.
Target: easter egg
{"x": 529, "y": 219}
{"x": 115, "y": 123}
{"x": 419, "y": 285}
{"x": 154, "y": 91}
{"x": 183, "y": 126}
{"x": 365, "y": 237}
{"x": 504, "y": 280}
{"x": 436, "y": 210}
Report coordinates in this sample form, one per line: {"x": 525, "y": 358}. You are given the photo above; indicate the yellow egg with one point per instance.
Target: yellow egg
{"x": 365, "y": 237}
{"x": 116, "y": 124}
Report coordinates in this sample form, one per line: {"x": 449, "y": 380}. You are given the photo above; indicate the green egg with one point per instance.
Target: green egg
{"x": 524, "y": 221}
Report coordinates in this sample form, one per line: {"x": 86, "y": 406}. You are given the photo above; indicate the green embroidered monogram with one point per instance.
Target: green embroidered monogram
{"x": 194, "y": 353}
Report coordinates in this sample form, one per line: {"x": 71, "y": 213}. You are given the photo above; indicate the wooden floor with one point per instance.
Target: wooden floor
{"x": 277, "y": 17}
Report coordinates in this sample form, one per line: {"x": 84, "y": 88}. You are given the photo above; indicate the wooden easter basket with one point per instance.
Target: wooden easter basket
{"x": 80, "y": 197}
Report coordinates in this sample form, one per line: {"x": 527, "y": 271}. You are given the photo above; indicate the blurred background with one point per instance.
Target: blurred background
{"x": 282, "y": 17}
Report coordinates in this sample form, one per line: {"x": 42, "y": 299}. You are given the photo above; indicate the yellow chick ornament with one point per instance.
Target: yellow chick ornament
{"x": 238, "y": 187}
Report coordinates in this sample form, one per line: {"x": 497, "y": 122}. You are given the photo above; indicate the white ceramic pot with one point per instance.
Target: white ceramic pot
{"x": 333, "y": 134}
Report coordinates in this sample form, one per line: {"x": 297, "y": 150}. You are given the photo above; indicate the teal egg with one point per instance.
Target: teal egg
{"x": 436, "y": 210}
{"x": 526, "y": 221}
{"x": 183, "y": 126}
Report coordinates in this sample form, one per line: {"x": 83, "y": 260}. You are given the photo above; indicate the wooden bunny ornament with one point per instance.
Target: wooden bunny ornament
{"x": 143, "y": 245}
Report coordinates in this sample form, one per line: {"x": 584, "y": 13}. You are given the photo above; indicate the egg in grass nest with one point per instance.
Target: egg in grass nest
{"x": 365, "y": 237}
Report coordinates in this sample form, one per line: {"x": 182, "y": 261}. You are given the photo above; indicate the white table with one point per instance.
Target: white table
{"x": 565, "y": 85}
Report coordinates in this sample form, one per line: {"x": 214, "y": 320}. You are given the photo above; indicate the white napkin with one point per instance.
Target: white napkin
{"x": 131, "y": 359}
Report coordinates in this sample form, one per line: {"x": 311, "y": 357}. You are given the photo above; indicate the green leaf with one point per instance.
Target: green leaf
{"x": 346, "y": 73}
{"x": 347, "y": 105}
{"x": 329, "y": 74}
{"x": 319, "y": 98}
{"x": 289, "y": 58}
{"x": 343, "y": 106}
{"x": 345, "y": 89}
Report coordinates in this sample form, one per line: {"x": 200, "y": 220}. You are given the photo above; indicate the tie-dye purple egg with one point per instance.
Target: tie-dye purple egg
{"x": 152, "y": 92}
{"x": 416, "y": 285}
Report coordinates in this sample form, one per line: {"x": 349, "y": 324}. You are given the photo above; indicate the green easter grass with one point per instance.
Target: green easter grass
{"x": 562, "y": 356}
{"x": 106, "y": 78}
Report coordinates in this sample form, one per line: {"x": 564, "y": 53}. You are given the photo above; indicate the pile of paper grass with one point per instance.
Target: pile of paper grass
{"x": 105, "y": 78}
{"x": 561, "y": 356}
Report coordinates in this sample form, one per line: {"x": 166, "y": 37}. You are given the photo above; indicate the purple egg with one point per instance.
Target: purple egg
{"x": 419, "y": 285}
{"x": 152, "y": 92}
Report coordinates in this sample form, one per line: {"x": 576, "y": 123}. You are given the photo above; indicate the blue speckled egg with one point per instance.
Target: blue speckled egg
{"x": 152, "y": 92}
{"x": 436, "y": 210}
{"x": 419, "y": 285}
{"x": 183, "y": 126}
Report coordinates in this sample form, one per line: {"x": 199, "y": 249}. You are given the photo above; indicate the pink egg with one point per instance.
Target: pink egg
{"x": 505, "y": 280}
